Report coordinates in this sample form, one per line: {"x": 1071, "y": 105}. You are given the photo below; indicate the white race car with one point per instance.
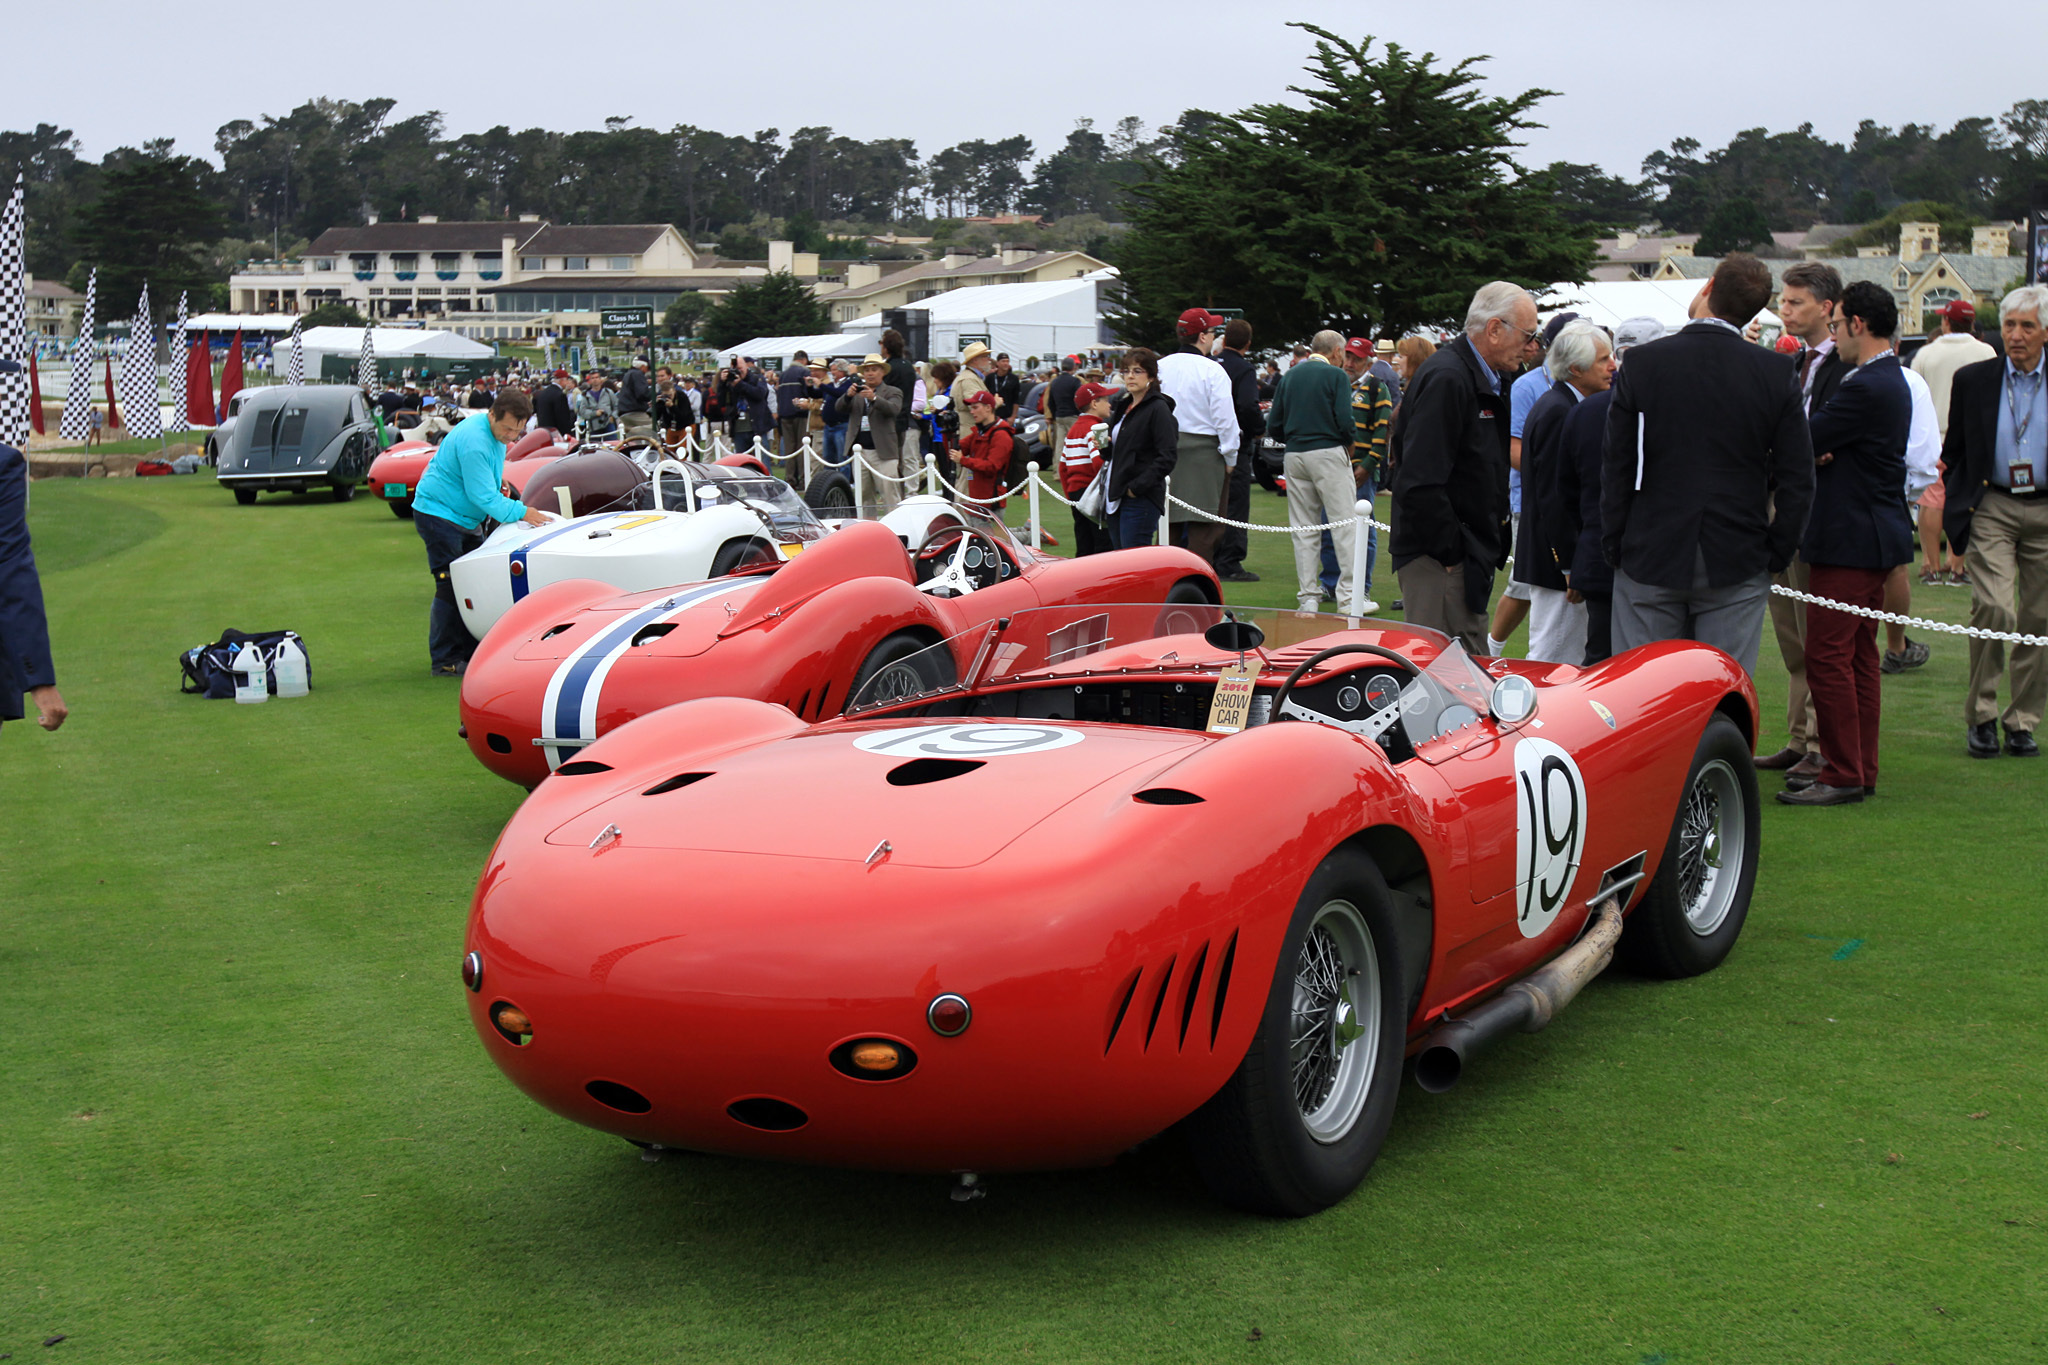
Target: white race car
{"x": 704, "y": 521}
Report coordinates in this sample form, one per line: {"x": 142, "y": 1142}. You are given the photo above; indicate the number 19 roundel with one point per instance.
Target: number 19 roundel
{"x": 1550, "y": 831}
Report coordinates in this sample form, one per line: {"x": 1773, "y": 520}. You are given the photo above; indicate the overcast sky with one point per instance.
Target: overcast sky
{"x": 1630, "y": 77}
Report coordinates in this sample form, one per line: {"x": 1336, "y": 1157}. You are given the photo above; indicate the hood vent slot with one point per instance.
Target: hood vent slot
{"x": 679, "y": 780}
{"x": 582, "y": 766}
{"x": 653, "y": 632}
{"x": 552, "y": 631}
{"x": 1168, "y": 796}
{"x": 919, "y": 771}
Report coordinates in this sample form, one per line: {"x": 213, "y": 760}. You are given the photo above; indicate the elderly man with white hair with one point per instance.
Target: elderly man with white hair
{"x": 1450, "y": 499}
{"x": 1996, "y": 451}
{"x": 1311, "y": 418}
{"x": 1580, "y": 363}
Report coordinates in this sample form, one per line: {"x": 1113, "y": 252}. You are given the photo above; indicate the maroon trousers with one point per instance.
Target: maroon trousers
{"x": 1842, "y": 671}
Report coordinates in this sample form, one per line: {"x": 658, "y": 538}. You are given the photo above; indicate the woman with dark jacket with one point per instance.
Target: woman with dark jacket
{"x": 1144, "y": 437}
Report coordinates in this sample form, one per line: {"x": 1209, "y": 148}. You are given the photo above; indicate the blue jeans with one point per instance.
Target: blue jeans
{"x": 448, "y": 641}
{"x": 835, "y": 444}
{"x": 1135, "y": 522}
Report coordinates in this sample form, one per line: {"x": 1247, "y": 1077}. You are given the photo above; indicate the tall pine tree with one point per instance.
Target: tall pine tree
{"x": 1384, "y": 203}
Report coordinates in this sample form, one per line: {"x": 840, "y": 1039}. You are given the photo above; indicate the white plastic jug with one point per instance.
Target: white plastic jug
{"x": 292, "y": 678}
{"x": 252, "y": 677}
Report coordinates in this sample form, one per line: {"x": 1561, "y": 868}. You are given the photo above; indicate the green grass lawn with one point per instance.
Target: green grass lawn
{"x": 245, "y": 1117}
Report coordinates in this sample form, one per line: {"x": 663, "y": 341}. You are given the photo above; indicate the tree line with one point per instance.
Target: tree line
{"x": 1377, "y": 204}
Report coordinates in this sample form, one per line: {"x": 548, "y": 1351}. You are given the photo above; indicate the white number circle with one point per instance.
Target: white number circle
{"x": 968, "y": 741}
{"x": 1550, "y": 831}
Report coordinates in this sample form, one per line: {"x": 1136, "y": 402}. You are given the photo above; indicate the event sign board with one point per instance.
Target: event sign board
{"x": 613, "y": 322}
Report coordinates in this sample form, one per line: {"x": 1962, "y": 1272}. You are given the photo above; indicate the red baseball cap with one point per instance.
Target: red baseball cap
{"x": 1196, "y": 321}
{"x": 1085, "y": 396}
{"x": 982, "y": 396}
{"x": 1960, "y": 311}
{"x": 1360, "y": 347}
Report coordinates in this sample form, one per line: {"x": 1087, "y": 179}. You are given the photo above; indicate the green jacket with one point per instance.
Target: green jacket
{"x": 1312, "y": 408}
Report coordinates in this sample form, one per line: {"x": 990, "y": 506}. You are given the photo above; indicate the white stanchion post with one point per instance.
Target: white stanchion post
{"x": 805, "y": 451}
{"x": 931, "y": 474}
{"x": 1166, "y": 514}
{"x": 1031, "y": 476}
{"x": 853, "y": 473}
{"x": 1359, "y": 528}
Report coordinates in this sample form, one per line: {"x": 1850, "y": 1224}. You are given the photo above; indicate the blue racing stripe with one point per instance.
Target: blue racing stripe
{"x": 518, "y": 556}
{"x": 569, "y": 701}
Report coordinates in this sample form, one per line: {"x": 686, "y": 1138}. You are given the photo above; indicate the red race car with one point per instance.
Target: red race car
{"x": 577, "y": 659}
{"x": 395, "y": 474}
{"x": 1107, "y": 876}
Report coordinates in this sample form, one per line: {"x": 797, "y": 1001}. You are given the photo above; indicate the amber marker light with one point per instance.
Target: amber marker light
{"x": 511, "y": 1022}
{"x": 949, "y": 1015}
{"x": 876, "y": 1056}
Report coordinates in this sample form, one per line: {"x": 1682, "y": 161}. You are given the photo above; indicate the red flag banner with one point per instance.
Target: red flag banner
{"x": 113, "y": 413}
{"x": 35, "y": 393}
{"x": 199, "y": 382}
{"x": 231, "y": 375}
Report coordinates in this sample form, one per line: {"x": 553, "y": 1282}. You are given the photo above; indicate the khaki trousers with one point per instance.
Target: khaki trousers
{"x": 1788, "y": 622}
{"x": 879, "y": 496}
{"x": 1320, "y": 489}
{"x": 2008, "y": 563}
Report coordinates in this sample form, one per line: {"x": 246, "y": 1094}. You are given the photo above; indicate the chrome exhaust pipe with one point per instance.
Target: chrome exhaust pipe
{"x": 1527, "y": 1005}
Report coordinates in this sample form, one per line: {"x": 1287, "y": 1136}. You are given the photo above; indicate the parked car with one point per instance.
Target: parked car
{"x": 293, "y": 438}
{"x": 1102, "y": 871}
{"x": 395, "y": 475}
{"x": 576, "y": 660}
{"x": 217, "y": 439}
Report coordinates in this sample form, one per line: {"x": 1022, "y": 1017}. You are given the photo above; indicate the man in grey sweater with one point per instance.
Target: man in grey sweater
{"x": 1311, "y": 415}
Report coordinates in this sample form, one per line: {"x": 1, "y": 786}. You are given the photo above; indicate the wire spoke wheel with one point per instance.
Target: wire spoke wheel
{"x": 894, "y": 683}
{"x": 1333, "y": 1041}
{"x": 1711, "y": 836}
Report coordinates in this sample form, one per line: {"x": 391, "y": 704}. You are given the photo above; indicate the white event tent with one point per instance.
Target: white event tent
{"x": 1054, "y": 318}
{"x": 1612, "y": 302}
{"x": 776, "y": 352}
{"x": 250, "y": 324}
{"x": 392, "y": 343}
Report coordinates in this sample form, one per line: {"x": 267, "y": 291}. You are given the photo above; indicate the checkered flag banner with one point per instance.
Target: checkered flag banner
{"x": 145, "y": 414}
{"x": 77, "y": 423}
{"x": 177, "y": 367}
{"x": 14, "y": 389}
{"x": 295, "y": 369}
{"x": 366, "y": 368}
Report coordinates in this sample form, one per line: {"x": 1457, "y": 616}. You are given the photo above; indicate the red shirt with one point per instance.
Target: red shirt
{"x": 985, "y": 452}
{"x": 1079, "y": 459}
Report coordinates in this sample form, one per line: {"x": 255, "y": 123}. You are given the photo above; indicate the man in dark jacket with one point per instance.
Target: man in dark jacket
{"x": 1251, "y": 425}
{"x": 1450, "y": 455}
{"x": 1858, "y": 531}
{"x": 1008, "y": 387}
{"x": 752, "y": 409}
{"x": 1996, "y": 451}
{"x": 1580, "y": 363}
{"x": 792, "y": 413}
{"x": 1571, "y": 514}
{"x": 25, "y": 663}
{"x": 902, "y": 376}
{"x": 1705, "y": 430}
{"x": 551, "y": 405}
{"x": 636, "y": 401}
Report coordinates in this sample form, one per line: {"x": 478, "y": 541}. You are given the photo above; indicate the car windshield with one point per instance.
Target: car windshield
{"x": 1075, "y": 648}
{"x": 679, "y": 487}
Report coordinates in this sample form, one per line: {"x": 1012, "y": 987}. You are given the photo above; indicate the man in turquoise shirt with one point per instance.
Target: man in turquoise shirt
{"x": 459, "y": 492}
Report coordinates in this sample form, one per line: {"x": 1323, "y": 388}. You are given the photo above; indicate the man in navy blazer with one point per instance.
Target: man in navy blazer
{"x": 1858, "y": 531}
{"x": 1704, "y": 430}
{"x": 25, "y": 664}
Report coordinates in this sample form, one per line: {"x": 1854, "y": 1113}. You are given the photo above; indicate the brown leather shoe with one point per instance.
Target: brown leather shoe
{"x": 1821, "y": 794}
{"x": 1780, "y": 760}
{"x": 1808, "y": 766}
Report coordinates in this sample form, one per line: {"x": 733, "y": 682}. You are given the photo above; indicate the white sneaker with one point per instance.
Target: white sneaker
{"x": 1368, "y": 607}
{"x": 1310, "y": 604}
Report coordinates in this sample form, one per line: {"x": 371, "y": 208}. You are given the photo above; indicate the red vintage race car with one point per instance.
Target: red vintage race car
{"x": 577, "y": 659}
{"x": 395, "y": 474}
{"x": 1109, "y": 876}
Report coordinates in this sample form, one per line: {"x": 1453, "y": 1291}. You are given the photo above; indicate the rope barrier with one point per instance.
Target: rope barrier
{"x": 1276, "y": 530}
{"x": 1894, "y": 619}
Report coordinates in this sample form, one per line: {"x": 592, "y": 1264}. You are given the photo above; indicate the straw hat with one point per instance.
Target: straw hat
{"x": 975, "y": 351}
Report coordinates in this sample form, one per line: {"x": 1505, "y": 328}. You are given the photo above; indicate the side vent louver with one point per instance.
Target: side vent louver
{"x": 1189, "y": 991}
{"x": 1123, "y": 1006}
{"x": 582, "y": 766}
{"x": 1222, "y": 988}
{"x": 1158, "y": 1001}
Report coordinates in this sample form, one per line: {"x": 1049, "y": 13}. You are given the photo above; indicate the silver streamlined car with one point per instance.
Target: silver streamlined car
{"x": 298, "y": 437}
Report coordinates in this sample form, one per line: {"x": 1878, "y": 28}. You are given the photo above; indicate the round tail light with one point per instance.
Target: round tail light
{"x": 473, "y": 971}
{"x": 949, "y": 1015}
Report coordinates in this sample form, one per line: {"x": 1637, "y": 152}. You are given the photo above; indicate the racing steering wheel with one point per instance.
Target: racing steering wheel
{"x": 1371, "y": 726}
{"x": 974, "y": 562}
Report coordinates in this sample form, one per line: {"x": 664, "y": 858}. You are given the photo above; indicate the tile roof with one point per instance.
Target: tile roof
{"x": 338, "y": 241}
{"x": 605, "y": 282}
{"x": 596, "y": 239}
{"x": 939, "y": 270}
